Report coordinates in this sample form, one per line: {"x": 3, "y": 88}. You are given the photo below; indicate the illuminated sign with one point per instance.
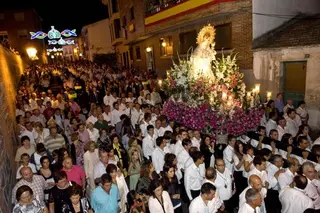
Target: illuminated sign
{"x": 61, "y": 42}
{"x": 55, "y": 50}
{"x": 53, "y": 34}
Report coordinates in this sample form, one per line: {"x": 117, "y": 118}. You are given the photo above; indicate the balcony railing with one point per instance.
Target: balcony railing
{"x": 156, "y": 6}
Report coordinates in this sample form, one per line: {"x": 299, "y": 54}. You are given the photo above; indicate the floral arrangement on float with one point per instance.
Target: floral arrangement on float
{"x": 208, "y": 93}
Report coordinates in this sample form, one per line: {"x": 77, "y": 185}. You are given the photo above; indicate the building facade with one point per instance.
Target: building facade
{"x": 15, "y": 26}
{"x": 96, "y": 39}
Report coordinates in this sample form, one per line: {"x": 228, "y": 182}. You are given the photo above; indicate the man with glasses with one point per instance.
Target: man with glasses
{"x": 203, "y": 203}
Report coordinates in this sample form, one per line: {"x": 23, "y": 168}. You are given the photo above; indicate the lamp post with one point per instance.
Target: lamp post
{"x": 32, "y": 53}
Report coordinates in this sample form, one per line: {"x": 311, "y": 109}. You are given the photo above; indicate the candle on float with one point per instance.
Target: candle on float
{"x": 160, "y": 82}
{"x": 248, "y": 94}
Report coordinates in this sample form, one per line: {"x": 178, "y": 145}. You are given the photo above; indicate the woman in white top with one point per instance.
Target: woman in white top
{"x": 90, "y": 158}
{"x": 304, "y": 130}
{"x": 248, "y": 160}
{"x": 40, "y": 133}
{"x": 159, "y": 201}
{"x": 239, "y": 159}
{"x": 93, "y": 132}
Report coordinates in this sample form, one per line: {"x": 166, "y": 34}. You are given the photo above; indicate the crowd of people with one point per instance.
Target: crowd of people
{"x": 93, "y": 139}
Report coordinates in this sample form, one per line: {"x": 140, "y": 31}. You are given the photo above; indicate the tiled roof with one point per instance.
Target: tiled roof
{"x": 302, "y": 30}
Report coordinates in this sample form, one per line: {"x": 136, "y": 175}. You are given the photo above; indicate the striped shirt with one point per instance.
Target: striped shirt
{"x": 51, "y": 143}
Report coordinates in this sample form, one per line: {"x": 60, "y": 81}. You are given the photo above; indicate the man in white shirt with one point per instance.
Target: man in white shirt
{"x": 228, "y": 153}
{"x": 253, "y": 202}
{"x": 158, "y": 154}
{"x": 288, "y": 106}
{"x": 272, "y": 122}
{"x": 292, "y": 126}
{"x": 37, "y": 117}
{"x": 107, "y": 113}
{"x": 204, "y": 202}
{"x": 136, "y": 115}
{"x": 224, "y": 184}
{"x": 146, "y": 121}
{"x": 93, "y": 118}
{"x": 311, "y": 191}
{"x": 210, "y": 177}
{"x": 183, "y": 134}
{"x": 274, "y": 170}
{"x": 100, "y": 168}
{"x": 148, "y": 143}
{"x": 158, "y": 130}
{"x": 192, "y": 176}
{"x": 130, "y": 98}
{"x": 196, "y": 140}
{"x": 184, "y": 159}
{"x": 254, "y": 183}
{"x": 30, "y": 132}
{"x": 115, "y": 114}
{"x": 294, "y": 199}
{"x": 286, "y": 178}
{"x": 110, "y": 99}
{"x": 259, "y": 169}
{"x": 281, "y": 128}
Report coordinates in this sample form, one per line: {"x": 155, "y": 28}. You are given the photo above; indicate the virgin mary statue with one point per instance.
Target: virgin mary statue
{"x": 203, "y": 55}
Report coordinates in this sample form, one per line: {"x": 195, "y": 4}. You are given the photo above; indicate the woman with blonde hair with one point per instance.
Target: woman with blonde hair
{"x": 134, "y": 146}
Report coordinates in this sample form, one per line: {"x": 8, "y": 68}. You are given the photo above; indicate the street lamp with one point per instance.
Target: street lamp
{"x": 32, "y": 53}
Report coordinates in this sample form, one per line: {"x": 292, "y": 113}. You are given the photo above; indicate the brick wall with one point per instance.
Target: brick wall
{"x": 238, "y": 13}
{"x": 11, "y": 67}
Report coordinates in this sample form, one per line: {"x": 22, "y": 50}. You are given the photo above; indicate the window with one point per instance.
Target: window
{"x": 223, "y": 37}
{"x": 187, "y": 40}
{"x": 124, "y": 26}
{"x": 19, "y": 16}
{"x": 115, "y": 7}
{"x": 138, "y": 53}
{"x": 166, "y": 46}
{"x": 117, "y": 28}
{"x": 131, "y": 53}
{"x": 22, "y": 33}
{"x": 1, "y": 16}
{"x": 131, "y": 14}
{"x": 3, "y": 36}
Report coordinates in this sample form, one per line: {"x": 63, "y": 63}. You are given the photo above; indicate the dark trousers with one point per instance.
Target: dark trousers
{"x": 229, "y": 205}
{"x": 241, "y": 183}
{"x": 273, "y": 203}
{"x": 178, "y": 210}
{"x": 195, "y": 193}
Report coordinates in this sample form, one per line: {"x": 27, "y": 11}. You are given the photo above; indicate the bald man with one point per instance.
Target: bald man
{"x": 74, "y": 172}
{"x": 35, "y": 182}
{"x": 255, "y": 183}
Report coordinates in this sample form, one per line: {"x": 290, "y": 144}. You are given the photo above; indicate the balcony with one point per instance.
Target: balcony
{"x": 162, "y": 10}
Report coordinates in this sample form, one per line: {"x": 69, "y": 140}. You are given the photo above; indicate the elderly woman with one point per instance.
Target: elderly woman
{"x": 27, "y": 202}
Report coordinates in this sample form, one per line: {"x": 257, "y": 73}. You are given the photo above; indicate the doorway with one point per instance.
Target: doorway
{"x": 293, "y": 82}
{"x": 149, "y": 59}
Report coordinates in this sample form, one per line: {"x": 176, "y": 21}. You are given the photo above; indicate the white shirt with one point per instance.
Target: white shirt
{"x": 130, "y": 100}
{"x": 92, "y": 119}
{"x": 312, "y": 192}
{"x": 196, "y": 142}
{"x": 183, "y": 159}
{"x": 261, "y": 174}
{"x": 158, "y": 159}
{"x": 285, "y": 179}
{"x": 192, "y": 179}
{"x": 292, "y": 126}
{"x": 236, "y": 161}
{"x": 155, "y": 206}
{"x": 115, "y": 117}
{"x": 30, "y": 135}
{"x": 136, "y": 116}
{"x": 294, "y": 200}
{"x": 143, "y": 128}
{"x": 109, "y": 100}
{"x": 224, "y": 183}
{"x": 242, "y": 198}
{"x": 98, "y": 170}
{"x": 228, "y": 153}
{"x": 107, "y": 117}
{"x": 281, "y": 131}
{"x": 159, "y": 132}
{"x": 31, "y": 165}
{"x": 94, "y": 134}
{"x": 273, "y": 182}
{"x": 148, "y": 146}
{"x": 45, "y": 133}
{"x": 248, "y": 159}
{"x": 216, "y": 201}
{"x": 246, "y": 208}
{"x": 199, "y": 206}
{"x": 271, "y": 124}
{"x": 178, "y": 147}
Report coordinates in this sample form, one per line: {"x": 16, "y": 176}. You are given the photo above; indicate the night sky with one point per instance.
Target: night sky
{"x": 70, "y": 14}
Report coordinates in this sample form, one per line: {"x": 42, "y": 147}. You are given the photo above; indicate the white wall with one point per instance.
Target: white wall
{"x": 263, "y": 24}
{"x": 267, "y": 71}
{"x": 99, "y": 36}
